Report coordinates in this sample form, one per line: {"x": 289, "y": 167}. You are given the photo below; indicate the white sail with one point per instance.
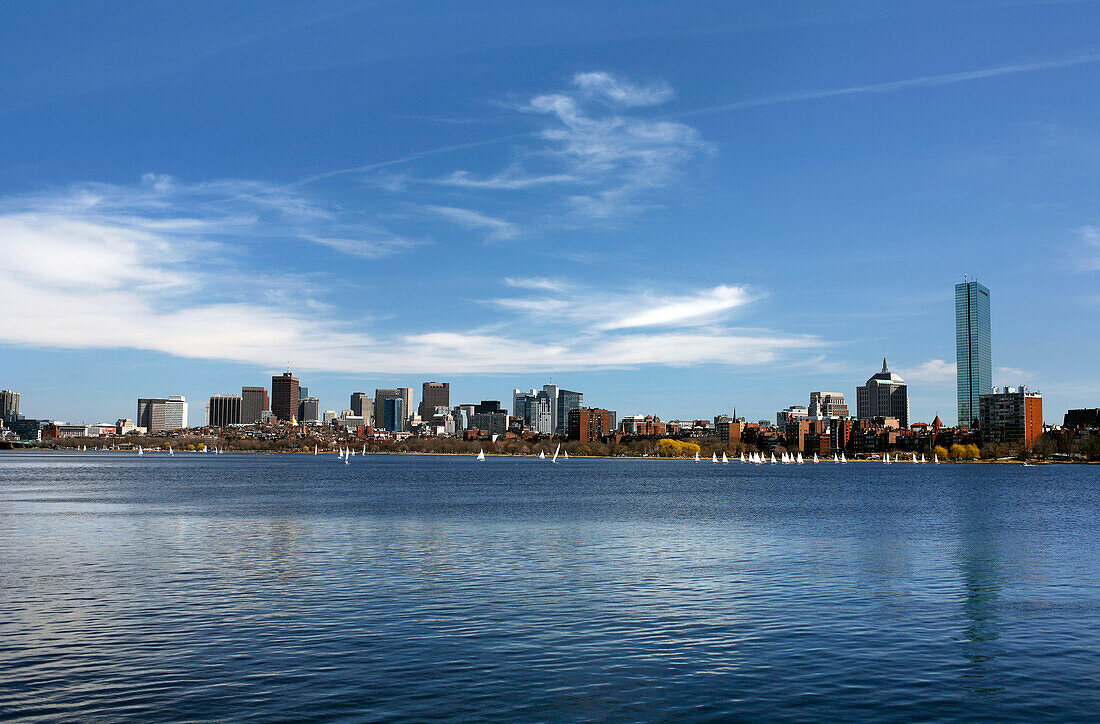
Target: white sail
{"x": 314, "y": 449}
{"x": 494, "y": 438}
{"x": 724, "y": 458}
{"x": 885, "y": 459}
{"x": 565, "y": 453}
{"x": 914, "y": 457}
{"x": 742, "y": 457}
{"x": 170, "y": 451}
{"x": 922, "y": 458}
{"x": 714, "y": 457}
{"x": 555, "y": 459}
{"x": 936, "y": 458}
{"x": 481, "y": 455}
{"x": 843, "y": 459}
{"x": 773, "y": 458}
{"x": 140, "y": 451}
{"x": 542, "y": 455}
{"x": 696, "y": 457}
{"x": 364, "y": 451}
{"x": 835, "y": 458}
{"x": 816, "y": 461}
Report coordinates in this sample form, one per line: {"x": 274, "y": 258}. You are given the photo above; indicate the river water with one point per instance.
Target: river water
{"x": 296, "y": 588}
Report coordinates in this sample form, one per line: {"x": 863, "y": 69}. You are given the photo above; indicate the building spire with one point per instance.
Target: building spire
{"x": 884, "y": 365}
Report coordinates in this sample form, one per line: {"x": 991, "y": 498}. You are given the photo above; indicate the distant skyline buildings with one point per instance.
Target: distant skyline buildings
{"x": 284, "y": 396}
{"x": 973, "y": 349}
{"x": 255, "y": 401}
{"x": 225, "y": 410}
{"x": 434, "y": 395}
{"x": 9, "y": 404}
{"x": 885, "y": 394}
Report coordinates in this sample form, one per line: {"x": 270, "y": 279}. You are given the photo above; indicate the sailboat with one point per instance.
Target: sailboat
{"x": 565, "y": 453}
{"x": 724, "y": 458}
{"x": 714, "y": 457}
{"x": 773, "y": 458}
{"x": 481, "y": 455}
{"x": 314, "y": 449}
{"x": 885, "y": 458}
{"x": 696, "y": 457}
{"x": 140, "y": 450}
{"x": 170, "y": 451}
{"x": 742, "y": 457}
{"x": 835, "y": 458}
{"x": 364, "y": 451}
{"x": 816, "y": 461}
{"x": 922, "y": 458}
{"x": 914, "y": 457}
{"x": 936, "y": 458}
{"x": 542, "y": 455}
{"x": 555, "y": 459}
{"x": 842, "y": 458}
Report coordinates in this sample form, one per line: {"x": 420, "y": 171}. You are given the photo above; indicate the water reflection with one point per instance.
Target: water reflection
{"x": 981, "y": 566}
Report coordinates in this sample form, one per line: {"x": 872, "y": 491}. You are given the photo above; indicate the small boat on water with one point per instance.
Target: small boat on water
{"x": 481, "y": 455}
{"x": 816, "y": 461}
{"x": 800, "y": 460}
{"x": 565, "y": 454}
{"x": 842, "y": 458}
{"x": 696, "y": 457}
{"x": 714, "y": 457}
{"x": 542, "y": 455}
{"x": 556, "y": 451}
{"x": 725, "y": 459}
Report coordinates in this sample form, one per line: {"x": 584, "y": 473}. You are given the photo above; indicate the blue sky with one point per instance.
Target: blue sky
{"x": 675, "y": 207}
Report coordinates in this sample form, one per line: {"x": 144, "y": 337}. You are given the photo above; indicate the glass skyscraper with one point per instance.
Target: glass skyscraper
{"x": 974, "y": 365}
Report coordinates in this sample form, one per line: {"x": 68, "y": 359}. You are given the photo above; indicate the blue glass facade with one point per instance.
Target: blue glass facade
{"x": 973, "y": 358}
{"x": 393, "y": 415}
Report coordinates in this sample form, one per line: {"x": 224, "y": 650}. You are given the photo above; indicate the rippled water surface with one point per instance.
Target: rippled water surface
{"x": 295, "y": 588}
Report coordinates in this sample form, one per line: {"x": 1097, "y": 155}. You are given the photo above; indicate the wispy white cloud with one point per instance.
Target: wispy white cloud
{"x": 605, "y": 86}
{"x": 79, "y": 277}
{"x": 591, "y": 156}
{"x": 497, "y": 229}
{"x": 604, "y": 311}
{"x": 928, "y": 81}
{"x": 541, "y": 283}
{"x": 692, "y": 309}
{"x": 510, "y": 180}
{"x": 372, "y": 247}
{"x": 933, "y": 371}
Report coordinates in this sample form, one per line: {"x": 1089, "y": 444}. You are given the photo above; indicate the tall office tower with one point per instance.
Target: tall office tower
{"x": 407, "y": 401}
{"x": 225, "y": 410}
{"x": 309, "y": 410}
{"x": 284, "y": 397}
{"x": 362, "y": 406}
{"x": 973, "y": 349}
{"x": 393, "y": 414}
{"x": 827, "y": 406}
{"x": 145, "y": 407}
{"x": 435, "y": 394}
{"x": 884, "y": 395}
{"x": 380, "y": 397}
{"x": 175, "y": 413}
{"x": 567, "y": 402}
{"x": 254, "y": 403}
{"x": 9, "y": 404}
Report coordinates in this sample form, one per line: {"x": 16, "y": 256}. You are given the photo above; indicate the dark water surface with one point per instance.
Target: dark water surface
{"x": 296, "y": 588}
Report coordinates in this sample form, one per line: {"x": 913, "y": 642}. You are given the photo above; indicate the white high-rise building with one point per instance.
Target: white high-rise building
{"x": 170, "y": 414}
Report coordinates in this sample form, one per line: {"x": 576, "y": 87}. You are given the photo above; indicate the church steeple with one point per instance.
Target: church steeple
{"x": 884, "y": 365}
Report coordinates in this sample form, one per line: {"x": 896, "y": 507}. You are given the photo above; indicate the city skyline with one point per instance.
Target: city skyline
{"x": 673, "y": 221}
